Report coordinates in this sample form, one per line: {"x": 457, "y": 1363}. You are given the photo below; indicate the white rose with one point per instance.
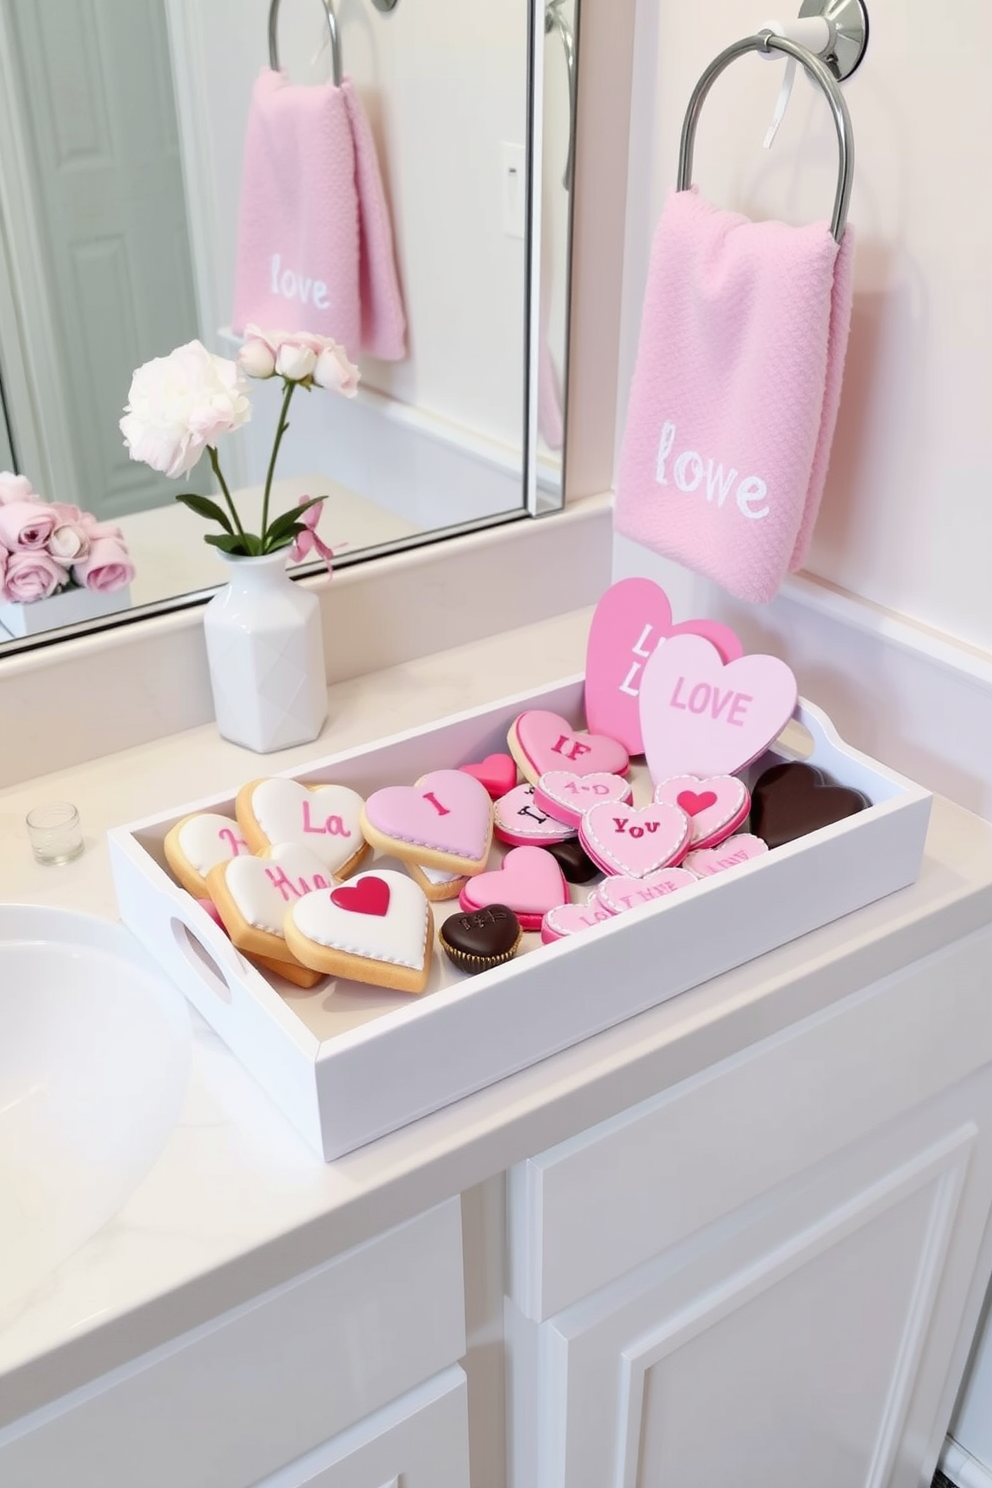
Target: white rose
{"x": 257, "y": 358}
{"x": 335, "y": 372}
{"x": 295, "y": 360}
{"x": 180, "y": 404}
{"x": 68, "y": 543}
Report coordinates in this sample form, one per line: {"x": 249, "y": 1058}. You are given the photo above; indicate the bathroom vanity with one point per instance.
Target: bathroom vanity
{"x": 741, "y": 1238}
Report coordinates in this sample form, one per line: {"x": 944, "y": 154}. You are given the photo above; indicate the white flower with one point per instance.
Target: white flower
{"x": 68, "y": 543}
{"x": 295, "y": 360}
{"x": 257, "y": 358}
{"x": 180, "y": 404}
{"x": 335, "y": 372}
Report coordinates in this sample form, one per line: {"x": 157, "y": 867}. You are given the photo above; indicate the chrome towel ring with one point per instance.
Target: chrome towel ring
{"x": 766, "y": 41}
{"x": 332, "y": 26}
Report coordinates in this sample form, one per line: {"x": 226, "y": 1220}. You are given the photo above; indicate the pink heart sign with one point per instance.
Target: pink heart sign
{"x": 715, "y": 806}
{"x": 631, "y": 621}
{"x": 542, "y": 741}
{"x": 634, "y": 843}
{"x": 703, "y": 716}
{"x": 529, "y": 882}
{"x": 567, "y": 795}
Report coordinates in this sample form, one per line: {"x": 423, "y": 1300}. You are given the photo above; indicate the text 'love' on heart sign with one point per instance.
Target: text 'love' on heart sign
{"x": 703, "y": 716}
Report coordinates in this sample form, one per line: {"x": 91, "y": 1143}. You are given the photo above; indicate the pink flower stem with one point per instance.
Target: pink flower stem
{"x": 215, "y": 463}
{"x": 280, "y": 431}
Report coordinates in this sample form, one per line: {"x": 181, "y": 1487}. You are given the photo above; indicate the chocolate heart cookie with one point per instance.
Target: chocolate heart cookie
{"x": 573, "y": 860}
{"x": 792, "y": 799}
{"x": 477, "y": 939}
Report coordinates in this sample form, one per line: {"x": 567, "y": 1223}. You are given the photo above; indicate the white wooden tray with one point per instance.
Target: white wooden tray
{"x": 348, "y": 1063}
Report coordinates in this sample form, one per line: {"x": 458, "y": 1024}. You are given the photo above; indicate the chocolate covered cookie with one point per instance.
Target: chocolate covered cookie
{"x": 478, "y": 939}
{"x": 791, "y": 800}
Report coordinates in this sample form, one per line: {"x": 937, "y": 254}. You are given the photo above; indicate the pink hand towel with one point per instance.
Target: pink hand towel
{"x": 735, "y": 393}
{"x": 315, "y": 249}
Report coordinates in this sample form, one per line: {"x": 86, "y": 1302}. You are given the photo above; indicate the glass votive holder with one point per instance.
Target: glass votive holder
{"x": 55, "y": 833}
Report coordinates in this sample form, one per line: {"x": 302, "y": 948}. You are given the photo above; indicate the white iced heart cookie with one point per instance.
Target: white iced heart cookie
{"x": 198, "y": 843}
{"x": 251, "y": 895}
{"x": 324, "y": 818}
{"x": 378, "y": 928}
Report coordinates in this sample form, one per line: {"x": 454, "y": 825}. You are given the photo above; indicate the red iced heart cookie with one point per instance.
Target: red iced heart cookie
{"x": 497, "y": 772}
{"x": 632, "y": 619}
{"x": 715, "y": 806}
{"x": 369, "y": 896}
{"x": 568, "y": 796}
{"x": 702, "y": 716}
{"x": 571, "y": 919}
{"x": 620, "y": 894}
{"x": 529, "y": 882}
{"x": 517, "y": 818}
{"x": 706, "y": 861}
{"x": 634, "y": 843}
{"x": 542, "y": 741}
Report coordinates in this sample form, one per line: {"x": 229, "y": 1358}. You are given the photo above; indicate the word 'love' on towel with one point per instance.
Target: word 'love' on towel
{"x": 735, "y": 393}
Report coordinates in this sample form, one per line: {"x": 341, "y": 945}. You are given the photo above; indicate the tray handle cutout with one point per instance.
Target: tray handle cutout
{"x": 205, "y": 963}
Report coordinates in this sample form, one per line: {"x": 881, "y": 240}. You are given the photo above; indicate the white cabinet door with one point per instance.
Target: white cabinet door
{"x": 420, "y": 1441}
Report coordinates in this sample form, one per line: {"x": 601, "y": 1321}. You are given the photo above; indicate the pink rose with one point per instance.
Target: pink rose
{"x": 31, "y": 575}
{"x": 107, "y": 566}
{"x": 4, "y": 555}
{"x": 15, "y": 488}
{"x": 26, "y": 524}
{"x": 94, "y": 528}
{"x": 334, "y": 371}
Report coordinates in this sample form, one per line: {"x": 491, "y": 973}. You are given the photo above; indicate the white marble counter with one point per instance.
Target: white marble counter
{"x": 237, "y": 1203}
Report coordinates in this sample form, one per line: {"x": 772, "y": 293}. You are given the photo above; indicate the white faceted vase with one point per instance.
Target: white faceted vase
{"x": 266, "y": 656}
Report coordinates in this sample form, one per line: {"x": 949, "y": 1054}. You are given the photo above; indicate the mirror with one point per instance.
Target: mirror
{"x": 122, "y": 129}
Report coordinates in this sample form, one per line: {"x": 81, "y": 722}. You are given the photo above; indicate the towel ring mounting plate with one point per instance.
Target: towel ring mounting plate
{"x": 849, "y": 22}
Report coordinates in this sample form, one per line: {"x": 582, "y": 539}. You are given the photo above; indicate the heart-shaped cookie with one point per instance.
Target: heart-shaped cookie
{"x": 252, "y": 894}
{"x": 572, "y": 919}
{"x": 620, "y": 894}
{"x": 497, "y": 772}
{"x": 444, "y": 821}
{"x": 198, "y": 843}
{"x": 378, "y": 928}
{"x": 479, "y": 939}
{"x": 632, "y": 619}
{"x": 542, "y": 741}
{"x": 517, "y": 818}
{"x": 792, "y": 799}
{"x": 730, "y": 854}
{"x": 702, "y": 716}
{"x": 715, "y": 805}
{"x": 324, "y": 818}
{"x": 568, "y": 796}
{"x": 529, "y": 881}
{"x": 634, "y": 843}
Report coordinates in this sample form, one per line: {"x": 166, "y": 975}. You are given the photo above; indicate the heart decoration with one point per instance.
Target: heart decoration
{"x": 325, "y": 819}
{"x": 517, "y": 818}
{"x": 634, "y": 843}
{"x": 568, "y": 796}
{"x": 632, "y": 619}
{"x": 541, "y": 741}
{"x": 385, "y": 922}
{"x": 715, "y": 806}
{"x": 793, "y": 799}
{"x": 702, "y": 715}
{"x": 497, "y": 772}
{"x": 529, "y": 882}
{"x": 620, "y": 894}
{"x": 369, "y": 895}
{"x": 706, "y": 861}
{"x": 444, "y": 820}
{"x": 571, "y": 919}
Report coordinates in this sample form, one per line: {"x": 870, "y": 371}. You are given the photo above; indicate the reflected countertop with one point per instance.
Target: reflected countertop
{"x": 237, "y": 1203}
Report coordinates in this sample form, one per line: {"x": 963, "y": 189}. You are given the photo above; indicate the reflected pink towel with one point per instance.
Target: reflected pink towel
{"x": 735, "y": 393}
{"x": 315, "y": 245}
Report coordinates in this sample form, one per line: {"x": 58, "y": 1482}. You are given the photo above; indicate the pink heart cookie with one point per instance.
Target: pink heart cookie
{"x": 620, "y": 894}
{"x": 706, "y": 861}
{"x": 529, "y": 882}
{"x": 517, "y": 818}
{"x": 497, "y": 772}
{"x": 702, "y": 716}
{"x": 542, "y": 741}
{"x": 715, "y": 805}
{"x": 444, "y": 821}
{"x": 634, "y": 843}
{"x": 568, "y": 796}
{"x": 571, "y": 919}
{"x": 632, "y": 619}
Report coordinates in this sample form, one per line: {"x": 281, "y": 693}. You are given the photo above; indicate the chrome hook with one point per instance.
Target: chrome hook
{"x": 332, "y": 26}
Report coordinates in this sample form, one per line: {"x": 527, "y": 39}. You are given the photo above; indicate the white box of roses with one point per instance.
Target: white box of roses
{"x": 347, "y": 1063}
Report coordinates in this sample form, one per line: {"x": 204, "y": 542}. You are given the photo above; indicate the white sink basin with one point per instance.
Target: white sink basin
{"x": 94, "y": 1055}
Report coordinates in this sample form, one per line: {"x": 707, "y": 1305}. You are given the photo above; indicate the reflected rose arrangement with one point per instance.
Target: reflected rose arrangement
{"x": 48, "y": 546}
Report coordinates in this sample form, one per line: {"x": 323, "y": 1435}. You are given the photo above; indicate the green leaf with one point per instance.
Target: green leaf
{"x": 289, "y": 521}
{"x": 204, "y": 507}
{"x": 227, "y": 542}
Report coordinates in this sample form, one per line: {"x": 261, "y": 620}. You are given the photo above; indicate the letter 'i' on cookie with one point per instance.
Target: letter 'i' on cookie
{"x": 444, "y": 821}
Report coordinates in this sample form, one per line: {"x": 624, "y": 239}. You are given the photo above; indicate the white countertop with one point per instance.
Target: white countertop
{"x": 237, "y": 1203}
